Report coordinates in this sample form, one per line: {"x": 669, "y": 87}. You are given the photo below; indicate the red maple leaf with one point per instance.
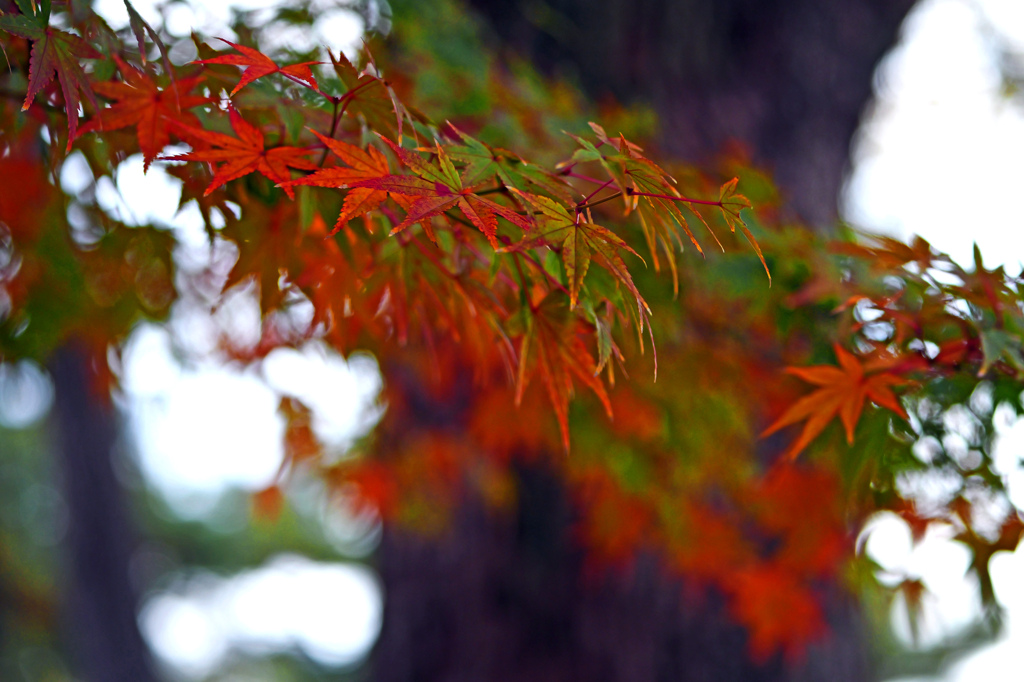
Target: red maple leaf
{"x": 843, "y": 392}
{"x": 258, "y": 65}
{"x": 142, "y": 104}
{"x": 362, "y": 164}
{"x": 244, "y": 154}
{"x": 779, "y": 611}
{"x": 53, "y": 52}
{"x": 438, "y": 189}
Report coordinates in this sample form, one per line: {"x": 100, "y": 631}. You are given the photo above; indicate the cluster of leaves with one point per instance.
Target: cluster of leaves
{"x": 489, "y": 284}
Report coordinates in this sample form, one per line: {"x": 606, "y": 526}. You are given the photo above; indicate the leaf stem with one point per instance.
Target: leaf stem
{"x": 524, "y": 295}
{"x": 580, "y": 176}
{"x": 334, "y": 128}
{"x": 350, "y": 95}
{"x": 591, "y": 195}
{"x": 633, "y": 192}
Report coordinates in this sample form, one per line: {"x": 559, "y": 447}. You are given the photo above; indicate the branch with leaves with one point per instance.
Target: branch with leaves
{"x": 504, "y": 280}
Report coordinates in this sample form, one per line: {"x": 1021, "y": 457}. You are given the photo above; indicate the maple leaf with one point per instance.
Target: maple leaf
{"x": 889, "y": 253}
{"x": 843, "y": 392}
{"x": 552, "y": 335}
{"x": 440, "y": 188}
{"x": 142, "y": 104}
{"x": 483, "y": 162}
{"x": 53, "y": 52}
{"x": 244, "y": 154}
{"x": 620, "y": 143}
{"x": 660, "y": 198}
{"x": 257, "y": 65}
{"x": 139, "y": 26}
{"x": 331, "y": 278}
{"x": 370, "y": 97}
{"x": 362, "y": 165}
{"x": 637, "y": 176}
{"x": 580, "y": 242}
{"x": 778, "y": 609}
{"x": 731, "y": 205}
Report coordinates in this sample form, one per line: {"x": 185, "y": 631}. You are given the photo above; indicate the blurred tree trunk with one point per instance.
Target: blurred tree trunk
{"x": 508, "y": 600}
{"x": 99, "y": 609}
{"x": 504, "y": 598}
{"x": 789, "y": 79}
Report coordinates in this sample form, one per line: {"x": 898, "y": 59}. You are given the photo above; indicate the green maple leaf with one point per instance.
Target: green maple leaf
{"x": 53, "y": 52}
{"x": 483, "y": 162}
{"x": 581, "y": 242}
{"x": 370, "y": 97}
{"x": 998, "y": 345}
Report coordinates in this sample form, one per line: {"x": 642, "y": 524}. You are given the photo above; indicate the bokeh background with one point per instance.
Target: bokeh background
{"x": 233, "y": 593}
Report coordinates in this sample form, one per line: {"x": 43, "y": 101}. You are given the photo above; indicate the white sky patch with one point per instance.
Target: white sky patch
{"x": 1008, "y": 455}
{"x": 75, "y": 174}
{"x": 1006, "y": 570}
{"x": 940, "y": 156}
{"x": 199, "y": 432}
{"x": 340, "y": 393}
{"x": 204, "y": 429}
{"x": 951, "y": 604}
{"x": 137, "y": 198}
{"x": 140, "y": 198}
{"x": 332, "y": 612}
{"x": 998, "y": 662}
{"x": 26, "y": 394}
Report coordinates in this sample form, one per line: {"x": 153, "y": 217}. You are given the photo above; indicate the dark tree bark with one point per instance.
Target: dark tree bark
{"x": 504, "y": 598}
{"x": 508, "y": 600}
{"x": 99, "y": 599}
{"x": 787, "y": 78}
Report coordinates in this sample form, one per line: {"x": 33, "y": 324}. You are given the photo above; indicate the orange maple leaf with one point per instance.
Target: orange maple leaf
{"x": 552, "y": 335}
{"x": 258, "y": 65}
{"x": 142, "y": 104}
{"x": 843, "y": 391}
{"x": 244, "y": 154}
{"x": 362, "y": 165}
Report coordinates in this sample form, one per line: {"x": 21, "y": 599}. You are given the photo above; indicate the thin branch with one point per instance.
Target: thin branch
{"x": 334, "y": 129}
{"x": 350, "y": 95}
{"x": 591, "y": 195}
{"x": 431, "y": 257}
{"x": 585, "y": 205}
